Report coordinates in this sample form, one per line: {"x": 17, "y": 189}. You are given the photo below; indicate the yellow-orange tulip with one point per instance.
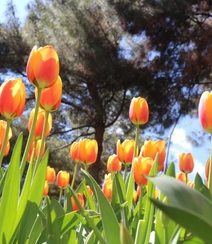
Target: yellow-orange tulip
{"x": 12, "y": 98}
{"x": 87, "y": 151}
{"x": 204, "y": 110}
{"x": 141, "y": 166}
{"x": 113, "y": 163}
{"x": 50, "y": 174}
{"x": 40, "y": 123}
{"x": 74, "y": 151}
{"x": 35, "y": 145}
{"x": 139, "y": 111}
{"x": 207, "y": 168}
{"x": 63, "y": 179}
{"x": 181, "y": 176}
{"x": 46, "y": 189}
{"x": 3, "y": 125}
{"x": 43, "y": 66}
{"x": 186, "y": 162}
{"x": 81, "y": 200}
{"x": 151, "y": 148}
{"x": 51, "y": 96}
{"x": 107, "y": 186}
{"x": 125, "y": 151}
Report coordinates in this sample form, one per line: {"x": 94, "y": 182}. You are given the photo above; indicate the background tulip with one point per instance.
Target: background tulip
{"x": 139, "y": 111}
{"x": 125, "y": 151}
{"x": 3, "y": 125}
{"x": 107, "y": 186}
{"x": 43, "y": 66}
{"x": 50, "y": 174}
{"x": 186, "y": 162}
{"x": 75, "y": 207}
{"x": 87, "y": 151}
{"x": 113, "y": 163}
{"x": 63, "y": 179}
{"x": 12, "y": 98}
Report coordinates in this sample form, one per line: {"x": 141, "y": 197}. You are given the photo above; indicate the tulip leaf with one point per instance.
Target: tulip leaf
{"x": 125, "y": 236}
{"x": 10, "y": 194}
{"x": 201, "y": 187}
{"x": 109, "y": 221}
{"x": 188, "y": 207}
{"x": 171, "y": 170}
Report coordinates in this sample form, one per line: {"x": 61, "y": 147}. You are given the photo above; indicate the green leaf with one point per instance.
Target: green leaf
{"x": 126, "y": 238}
{"x": 187, "y": 206}
{"x": 109, "y": 220}
{"x": 201, "y": 187}
{"x": 10, "y": 194}
{"x": 171, "y": 170}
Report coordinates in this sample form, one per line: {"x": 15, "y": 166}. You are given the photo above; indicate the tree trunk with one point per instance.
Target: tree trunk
{"x": 96, "y": 168}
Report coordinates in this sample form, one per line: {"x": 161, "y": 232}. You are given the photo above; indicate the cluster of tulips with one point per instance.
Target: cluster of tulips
{"x": 121, "y": 210}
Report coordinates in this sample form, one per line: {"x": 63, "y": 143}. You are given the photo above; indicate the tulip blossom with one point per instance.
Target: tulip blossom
{"x": 46, "y": 189}
{"x": 74, "y": 151}
{"x": 186, "y": 162}
{"x": 40, "y": 123}
{"x": 181, "y": 176}
{"x": 139, "y": 111}
{"x": 207, "y": 168}
{"x": 74, "y": 205}
{"x": 87, "y": 151}
{"x": 12, "y": 98}
{"x": 89, "y": 191}
{"x": 141, "y": 167}
{"x": 51, "y": 96}
{"x": 205, "y": 115}
{"x": 35, "y": 145}
{"x": 113, "y": 163}
{"x": 125, "y": 151}
{"x": 63, "y": 179}
{"x": 152, "y": 148}
{"x": 107, "y": 186}
{"x": 50, "y": 174}
{"x": 43, "y": 66}
{"x": 3, "y": 125}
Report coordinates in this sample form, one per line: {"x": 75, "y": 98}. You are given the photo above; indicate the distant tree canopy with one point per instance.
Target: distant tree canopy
{"x": 113, "y": 50}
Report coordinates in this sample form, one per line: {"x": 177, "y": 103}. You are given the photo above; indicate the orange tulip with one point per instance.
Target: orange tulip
{"x": 186, "y": 162}
{"x": 81, "y": 200}
{"x": 43, "y": 66}
{"x": 87, "y": 151}
{"x": 50, "y": 174}
{"x": 139, "y": 111}
{"x": 35, "y": 145}
{"x": 89, "y": 190}
{"x": 107, "y": 186}
{"x": 12, "y": 98}
{"x": 46, "y": 189}
{"x": 3, "y": 125}
{"x": 181, "y": 176}
{"x": 74, "y": 151}
{"x": 207, "y": 168}
{"x": 125, "y": 151}
{"x": 40, "y": 123}
{"x": 51, "y": 96}
{"x": 151, "y": 148}
{"x": 63, "y": 179}
{"x": 141, "y": 166}
{"x": 135, "y": 196}
{"x": 113, "y": 163}
{"x": 191, "y": 184}
{"x": 205, "y": 115}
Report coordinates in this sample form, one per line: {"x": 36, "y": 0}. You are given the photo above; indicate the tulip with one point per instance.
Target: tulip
{"x": 207, "y": 168}
{"x": 107, "y": 186}
{"x": 139, "y": 111}
{"x": 181, "y": 176}
{"x": 191, "y": 184}
{"x": 152, "y": 148}
{"x": 51, "y": 96}
{"x": 35, "y": 145}
{"x": 141, "y": 166}
{"x": 74, "y": 151}
{"x": 12, "y": 98}
{"x": 89, "y": 191}
{"x": 3, "y": 125}
{"x": 125, "y": 151}
{"x": 50, "y": 174}
{"x": 113, "y": 163}
{"x": 75, "y": 207}
{"x": 87, "y": 151}
{"x": 63, "y": 179}
{"x": 40, "y": 123}
{"x": 186, "y": 163}
{"x": 43, "y": 66}
{"x": 205, "y": 115}
{"x": 135, "y": 196}
{"x": 46, "y": 189}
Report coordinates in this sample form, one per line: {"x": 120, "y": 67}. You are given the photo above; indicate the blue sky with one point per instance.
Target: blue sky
{"x": 185, "y": 127}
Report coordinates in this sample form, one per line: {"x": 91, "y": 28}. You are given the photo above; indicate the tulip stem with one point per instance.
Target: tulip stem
{"x": 140, "y": 202}
{"x": 30, "y": 137}
{"x": 125, "y": 171}
{"x": 210, "y": 170}
{"x": 74, "y": 175}
{"x": 9, "y": 121}
{"x": 136, "y": 140}
{"x": 60, "y": 195}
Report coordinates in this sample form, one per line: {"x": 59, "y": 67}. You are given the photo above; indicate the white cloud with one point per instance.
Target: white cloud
{"x": 199, "y": 168}
{"x": 179, "y": 138}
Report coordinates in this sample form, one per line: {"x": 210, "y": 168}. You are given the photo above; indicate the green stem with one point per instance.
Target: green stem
{"x": 88, "y": 219}
{"x": 74, "y": 175}
{"x": 60, "y": 195}
{"x": 136, "y": 140}
{"x": 43, "y": 137}
{"x": 30, "y": 137}
{"x": 140, "y": 202}
{"x": 125, "y": 171}
{"x": 186, "y": 177}
{"x": 86, "y": 167}
{"x": 9, "y": 121}
{"x": 210, "y": 170}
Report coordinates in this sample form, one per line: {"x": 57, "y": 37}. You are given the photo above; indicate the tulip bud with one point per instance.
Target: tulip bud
{"x": 125, "y": 151}
{"x": 46, "y": 189}
{"x": 75, "y": 207}
{"x": 50, "y": 174}
{"x": 186, "y": 162}
{"x": 107, "y": 186}
{"x": 113, "y": 164}
{"x": 63, "y": 179}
